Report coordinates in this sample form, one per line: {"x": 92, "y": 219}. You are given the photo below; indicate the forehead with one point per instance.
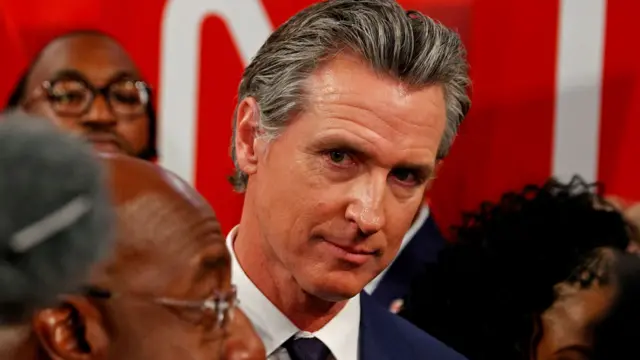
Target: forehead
{"x": 167, "y": 225}
{"x": 572, "y": 316}
{"x": 164, "y": 237}
{"x": 381, "y": 111}
{"x": 347, "y": 78}
{"x": 97, "y": 57}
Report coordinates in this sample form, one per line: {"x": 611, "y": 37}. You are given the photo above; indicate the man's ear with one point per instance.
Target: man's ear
{"x": 72, "y": 331}
{"x": 246, "y": 138}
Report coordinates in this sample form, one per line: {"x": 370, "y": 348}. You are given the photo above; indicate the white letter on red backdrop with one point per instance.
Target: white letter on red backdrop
{"x": 581, "y": 34}
{"x": 179, "y": 69}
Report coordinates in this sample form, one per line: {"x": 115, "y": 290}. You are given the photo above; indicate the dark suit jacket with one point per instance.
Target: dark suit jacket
{"x": 423, "y": 249}
{"x": 385, "y": 336}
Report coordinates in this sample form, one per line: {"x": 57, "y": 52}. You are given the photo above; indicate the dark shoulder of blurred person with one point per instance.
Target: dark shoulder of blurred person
{"x": 491, "y": 284}
{"x": 21, "y": 91}
{"x": 615, "y": 338}
{"x": 55, "y": 214}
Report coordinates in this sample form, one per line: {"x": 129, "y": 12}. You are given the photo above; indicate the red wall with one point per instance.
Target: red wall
{"x": 506, "y": 141}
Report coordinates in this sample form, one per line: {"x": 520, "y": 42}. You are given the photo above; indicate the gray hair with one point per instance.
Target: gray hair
{"x": 55, "y": 214}
{"x": 409, "y": 46}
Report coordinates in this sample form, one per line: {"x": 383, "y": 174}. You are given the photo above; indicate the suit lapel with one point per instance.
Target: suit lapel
{"x": 374, "y": 340}
{"x": 421, "y": 250}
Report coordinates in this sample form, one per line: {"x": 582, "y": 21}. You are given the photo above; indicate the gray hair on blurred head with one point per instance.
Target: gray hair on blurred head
{"x": 55, "y": 214}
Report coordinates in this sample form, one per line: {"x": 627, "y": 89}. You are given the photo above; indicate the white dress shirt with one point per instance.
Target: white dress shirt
{"x": 420, "y": 220}
{"x": 340, "y": 335}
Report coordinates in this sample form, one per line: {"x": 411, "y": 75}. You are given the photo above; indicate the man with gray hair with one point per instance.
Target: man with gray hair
{"x": 55, "y": 215}
{"x": 342, "y": 116}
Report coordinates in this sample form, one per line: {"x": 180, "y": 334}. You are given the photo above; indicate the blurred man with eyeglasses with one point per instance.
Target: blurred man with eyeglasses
{"x": 165, "y": 293}
{"x": 85, "y": 82}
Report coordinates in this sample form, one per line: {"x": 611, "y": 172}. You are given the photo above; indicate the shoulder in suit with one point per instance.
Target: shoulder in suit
{"x": 422, "y": 249}
{"x": 385, "y": 336}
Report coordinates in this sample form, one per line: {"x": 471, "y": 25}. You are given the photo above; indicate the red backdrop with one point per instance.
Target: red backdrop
{"x": 507, "y": 140}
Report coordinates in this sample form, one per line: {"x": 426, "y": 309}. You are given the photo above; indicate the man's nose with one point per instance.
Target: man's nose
{"x": 366, "y": 208}
{"x": 99, "y": 114}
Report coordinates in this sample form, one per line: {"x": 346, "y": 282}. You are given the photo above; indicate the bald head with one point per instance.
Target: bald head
{"x": 132, "y": 180}
{"x": 152, "y": 298}
{"x": 165, "y": 229}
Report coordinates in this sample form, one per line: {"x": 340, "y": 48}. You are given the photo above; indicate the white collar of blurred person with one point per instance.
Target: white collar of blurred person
{"x": 422, "y": 217}
{"x": 340, "y": 334}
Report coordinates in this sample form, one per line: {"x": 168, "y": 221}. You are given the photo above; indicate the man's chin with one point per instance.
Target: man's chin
{"x": 330, "y": 295}
{"x": 340, "y": 289}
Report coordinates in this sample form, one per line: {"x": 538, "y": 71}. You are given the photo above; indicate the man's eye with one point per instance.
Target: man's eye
{"x": 337, "y": 156}
{"x": 68, "y": 97}
{"x": 406, "y": 176}
{"x": 129, "y": 99}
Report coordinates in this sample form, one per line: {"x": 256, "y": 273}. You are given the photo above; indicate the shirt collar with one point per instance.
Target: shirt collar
{"x": 274, "y": 328}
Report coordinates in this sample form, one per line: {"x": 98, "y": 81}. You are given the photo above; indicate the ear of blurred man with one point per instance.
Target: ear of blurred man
{"x": 72, "y": 331}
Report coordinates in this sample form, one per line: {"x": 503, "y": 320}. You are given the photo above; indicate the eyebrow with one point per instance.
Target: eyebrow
{"x": 209, "y": 264}
{"x": 214, "y": 262}
{"x": 68, "y": 74}
{"x": 73, "y": 74}
{"x": 424, "y": 171}
{"x": 123, "y": 74}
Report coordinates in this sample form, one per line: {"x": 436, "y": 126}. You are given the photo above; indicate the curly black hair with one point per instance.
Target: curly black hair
{"x": 19, "y": 92}
{"x": 498, "y": 274}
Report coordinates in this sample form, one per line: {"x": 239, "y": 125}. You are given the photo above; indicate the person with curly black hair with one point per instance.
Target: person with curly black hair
{"x": 615, "y": 336}
{"x": 525, "y": 278}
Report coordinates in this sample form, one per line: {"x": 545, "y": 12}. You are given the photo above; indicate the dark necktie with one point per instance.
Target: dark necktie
{"x": 307, "y": 349}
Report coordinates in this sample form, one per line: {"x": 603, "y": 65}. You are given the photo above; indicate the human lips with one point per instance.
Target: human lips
{"x": 105, "y": 143}
{"x": 357, "y": 255}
